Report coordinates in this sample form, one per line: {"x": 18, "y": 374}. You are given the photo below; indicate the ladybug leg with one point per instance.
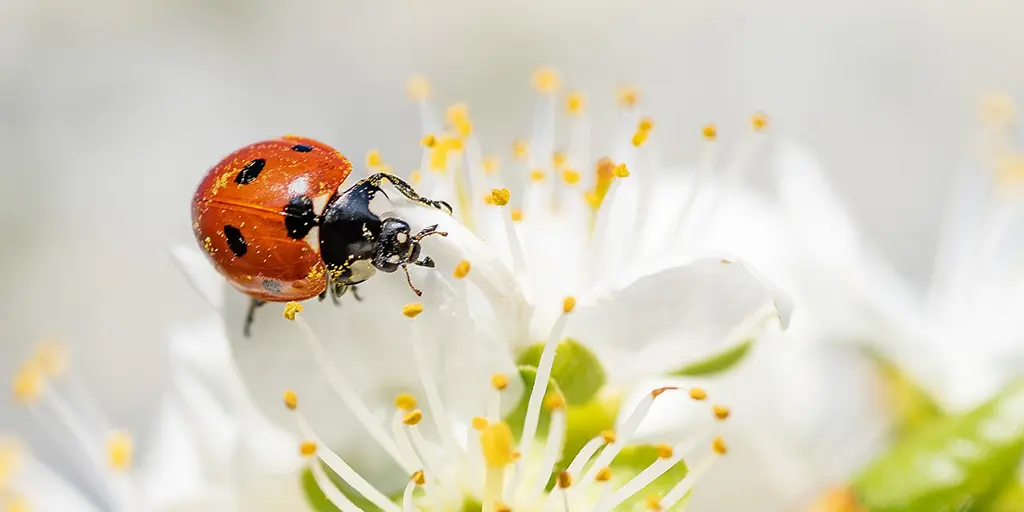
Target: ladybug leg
{"x": 355, "y": 292}
{"x": 408, "y": 279}
{"x": 338, "y": 289}
{"x": 425, "y": 262}
{"x": 407, "y": 190}
{"x": 251, "y": 315}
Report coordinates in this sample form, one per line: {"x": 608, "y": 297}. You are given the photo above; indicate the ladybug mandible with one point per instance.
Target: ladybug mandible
{"x": 276, "y": 221}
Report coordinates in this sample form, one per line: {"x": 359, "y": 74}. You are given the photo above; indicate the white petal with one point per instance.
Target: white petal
{"x": 201, "y": 274}
{"x": 46, "y": 491}
{"x": 675, "y": 316}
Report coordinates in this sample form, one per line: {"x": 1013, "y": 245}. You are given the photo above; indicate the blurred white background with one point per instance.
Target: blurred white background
{"x": 111, "y": 111}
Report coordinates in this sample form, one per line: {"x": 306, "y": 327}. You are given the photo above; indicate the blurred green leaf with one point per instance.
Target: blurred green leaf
{"x": 955, "y": 463}
{"x": 717, "y": 363}
{"x": 630, "y": 462}
{"x": 576, "y": 369}
{"x": 1010, "y": 499}
{"x": 911, "y": 406}
{"x": 586, "y": 421}
{"x": 517, "y": 416}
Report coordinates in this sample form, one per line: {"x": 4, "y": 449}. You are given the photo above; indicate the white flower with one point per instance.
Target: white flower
{"x": 199, "y": 457}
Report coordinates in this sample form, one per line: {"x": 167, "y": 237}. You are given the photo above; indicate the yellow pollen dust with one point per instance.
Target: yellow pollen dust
{"x": 501, "y": 196}
{"x": 489, "y": 199}
{"x": 428, "y": 141}
{"x": 554, "y": 401}
{"x": 758, "y": 122}
{"x": 620, "y": 171}
{"x": 498, "y": 445}
{"x": 698, "y": 394}
{"x": 709, "y": 132}
{"x": 51, "y": 357}
{"x": 307, "y": 448}
{"x": 609, "y": 436}
{"x": 413, "y": 418}
{"x": 119, "y": 450}
{"x": 537, "y": 175}
{"x": 480, "y": 423}
{"x": 461, "y": 270}
{"x": 458, "y": 117}
{"x": 418, "y": 478}
{"x": 654, "y": 502}
{"x": 629, "y": 96}
{"x": 520, "y": 149}
{"x": 571, "y": 176}
{"x": 499, "y": 381}
{"x": 721, "y": 411}
{"x": 575, "y": 102}
{"x": 657, "y": 392}
{"x": 412, "y": 309}
{"x": 415, "y": 177}
{"x": 291, "y": 308}
{"x": 719, "y": 446}
{"x": 517, "y": 214}
{"x": 418, "y": 88}
{"x": 490, "y": 164}
{"x": 603, "y": 475}
{"x": 28, "y": 383}
{"x": 291, "y": 400}
{"x": 545, "y": 80}
{"x": 664, "y": 451}
{"x": 405, "y": 401}
{"x": 568, "y": 304}
{"x": 564, "y": 480}
{"x": 373, "y": 159}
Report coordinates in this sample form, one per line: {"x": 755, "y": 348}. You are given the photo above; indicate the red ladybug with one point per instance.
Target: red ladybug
{"x": 276, "y": 221}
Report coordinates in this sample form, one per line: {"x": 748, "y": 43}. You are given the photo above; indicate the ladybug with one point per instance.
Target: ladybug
{"x": 275, "y": 219}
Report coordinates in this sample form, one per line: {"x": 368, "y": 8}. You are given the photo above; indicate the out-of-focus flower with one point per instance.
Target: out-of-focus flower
{"x": 210, "y": 450}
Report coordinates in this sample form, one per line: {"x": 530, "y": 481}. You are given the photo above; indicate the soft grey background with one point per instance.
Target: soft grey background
{"x": 111, "y": 110}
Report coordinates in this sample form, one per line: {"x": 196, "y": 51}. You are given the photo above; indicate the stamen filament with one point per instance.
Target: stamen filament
{"x": 552, "y": 449}
{"x": 422, "y": 447}
{"x": 540, "y": 384}
{"x": 494, "y": 482}
{"x": 407, "y": 504}
{"x": 333, "y": 494}
{"x": 622, "y": 438}
{"x": 402, "y": 440}
{"x": 683, "y": 487}
{"x": 433, "y": 395}
{"x": 652, "y": 472}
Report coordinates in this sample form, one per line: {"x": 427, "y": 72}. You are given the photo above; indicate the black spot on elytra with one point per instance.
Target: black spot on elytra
{"x": 302, "y": 148}
{"x": 236, "y": 242}
{"x": 299, "y": 216}
{"x": 250, "y": 171}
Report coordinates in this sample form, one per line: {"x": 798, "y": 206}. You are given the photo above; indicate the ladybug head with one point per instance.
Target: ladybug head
{"x": 396, "y": 245}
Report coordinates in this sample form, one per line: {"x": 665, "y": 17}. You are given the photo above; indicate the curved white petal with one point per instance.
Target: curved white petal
{"x": 675, "y": 316}
{"x": 200, "y": 273}
{"x": 43, "y": 490}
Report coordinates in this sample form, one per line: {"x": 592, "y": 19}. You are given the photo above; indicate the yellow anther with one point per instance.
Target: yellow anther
{"x": 571, "y": 176}
{"x": 373, "y": 159}
{"x": 51, "y": 357}
{"x": 517, "y": 214}
{"x": 415, "y": 177}
{"x": 655, "y": 393}
{"x": 418, "y": 88}
{"x": 461, "y": 270}
{"x": 559, "y": 159}
{"x": 603, "y": 475}
{"x": 698, "y": 393}
{"x": 10, "y": 460}
{"x": 721, "y": 411}
{"x": 520, "y": 149}
{"x": 646, "y": 124}
{"x": 838, "y": 500}
{"x": 719, "y": 446}
{"x": 418, "y": 478}
{"x": 545, "y": 80}
{"x": 709, "y": 131}
{"x": 758, "y": 122}
{"x": 480, "y": 423}
{"x": 307, "y": 448}
{"x": 291, "y": 400}
{"x": 1009, "y": 169}
{"x": 609, "y": 436}
{"x": 428, "y": 141}
{"x": 442, "y": 149}
{"x": 639, "y": 138}
{"x": 413, "y": 417}
{"x": 291, "y": 308}
{"x": 498, "y": 445}
{"x": 620, "y": 171}
{"x": 664, "y": 451}
{"x": 119, "y": 450}
{"x": 501, "y": 507}
{"x": 490, "y": 164}
{"x": 458, "y": 117}
{"x": 568, "y": 304}
{"x": 554, "y": 401}
{"x": 16, "y": 503}
{"x": 501, "y": 196}
{"x": 412, "y": 309}
{"x": 564, "y": 480}
{"x": 499, "y": 381}
{"x": 575, "y": 102}
{"x": 998, "y": 108}
{"x": 654, "y": 502}
{"x": 28, "y": 383}
{"x": 592, "y": 199}
{"x": 628, "y": 96}
{"x": 489, "y": 199}
{"x": 405, "y": 401}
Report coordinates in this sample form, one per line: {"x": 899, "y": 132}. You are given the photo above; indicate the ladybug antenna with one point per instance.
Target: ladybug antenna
{"x": 427, "y": 231}
{"x": 408, "y": 279}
